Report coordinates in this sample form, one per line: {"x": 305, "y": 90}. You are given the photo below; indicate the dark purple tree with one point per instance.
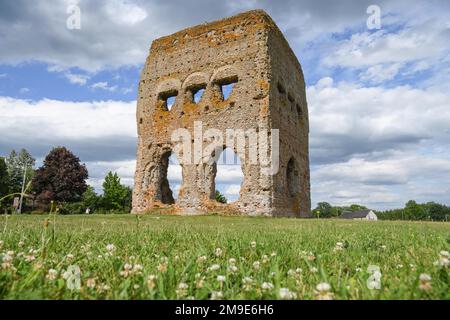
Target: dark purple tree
{"x": 61, "y": 178}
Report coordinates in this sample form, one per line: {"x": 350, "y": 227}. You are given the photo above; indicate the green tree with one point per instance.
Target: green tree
{"x": 355, "y": 207}
{"x": 90, "y": 199}
{"x": 62, "y": 177}
{"x": 414, "y": 211}
{"x": 115, "y": 195}
{"x": 4, "y": 178}
{"x": 220, "y": 197}
{"x": 325, "y": 209}
{"x": 16, "y": 163}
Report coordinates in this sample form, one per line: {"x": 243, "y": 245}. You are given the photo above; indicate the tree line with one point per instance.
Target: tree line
{"x": 60, "y": 184}
{"x": 413, "y": 211}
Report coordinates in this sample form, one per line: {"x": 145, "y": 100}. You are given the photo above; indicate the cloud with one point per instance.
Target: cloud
{"x": 79, "y": 79}
{"x": 96, "y": 131}
{"x": 347, "y": 120}
{"x": 378, "y": 146}
{"x": 104, "y": 86}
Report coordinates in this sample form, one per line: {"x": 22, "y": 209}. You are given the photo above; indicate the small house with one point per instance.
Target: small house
{"x": 359, "y": 215}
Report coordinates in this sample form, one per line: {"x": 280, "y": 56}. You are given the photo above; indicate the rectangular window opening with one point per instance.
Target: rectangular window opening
{"x": 227, "y": 86}
{"x": 168, "y": 99}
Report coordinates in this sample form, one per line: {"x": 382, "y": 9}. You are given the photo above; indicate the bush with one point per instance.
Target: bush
{"x": 72, "y": 208}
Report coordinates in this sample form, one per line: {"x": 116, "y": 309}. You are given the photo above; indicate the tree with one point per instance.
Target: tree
{"x": 115, "y": 195}
{"x": 4, "y": 178}
{"x": 220, "y": 197}
{"x": 356, "y": 207}
{"x": 61, "y": 178}
{"x": 16, "y": 163}
{"x": 324, "y": 208}
{"x": 90, "y": 199}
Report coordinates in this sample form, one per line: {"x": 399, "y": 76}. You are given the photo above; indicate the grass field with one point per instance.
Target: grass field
{"x": 169, "y": 257}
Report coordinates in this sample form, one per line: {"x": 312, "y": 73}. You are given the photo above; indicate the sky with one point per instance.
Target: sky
{"x": 378, "y": 98}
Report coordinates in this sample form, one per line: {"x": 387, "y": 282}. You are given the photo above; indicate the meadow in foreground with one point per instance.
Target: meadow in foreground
{"x": 214, "y": 257}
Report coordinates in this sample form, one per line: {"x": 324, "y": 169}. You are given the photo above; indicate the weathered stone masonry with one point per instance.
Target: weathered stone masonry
{"x": 269, "y": 93}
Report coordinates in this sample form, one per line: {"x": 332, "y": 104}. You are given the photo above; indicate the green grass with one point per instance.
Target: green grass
{"x": 168, "y": 247}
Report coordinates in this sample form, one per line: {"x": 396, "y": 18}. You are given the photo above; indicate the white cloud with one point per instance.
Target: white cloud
{"x": 380, "y": 73}
{"x": 123, "y": 12}
{"x": 378, "y": 146}
{"x": 104, "y": 86}
{"x": 79, "y": 79}
{"x": 24, "y": 90}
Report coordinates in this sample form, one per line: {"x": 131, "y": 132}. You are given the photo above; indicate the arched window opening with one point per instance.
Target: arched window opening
{"x": 175, "y": 176}
{"x": 293, "y": 178}
{"x": 229, "y": 176}
{"x": 169, "y": 178}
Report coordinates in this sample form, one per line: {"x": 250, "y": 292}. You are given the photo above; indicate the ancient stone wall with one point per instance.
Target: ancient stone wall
{"x": 246, "y": 50}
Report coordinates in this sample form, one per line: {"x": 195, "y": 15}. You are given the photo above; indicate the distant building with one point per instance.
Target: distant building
{"x": 359, "y": 215}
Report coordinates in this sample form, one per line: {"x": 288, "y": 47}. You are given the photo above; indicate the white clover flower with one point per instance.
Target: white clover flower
{"x": 221, "y": 278}
{"x": 323, "y": 291}
{"x": 291, "y": 272}
{"x": 218, "y": 252}
{"x": 69, "y": 257}
{"x": 253, "y": 244}
{"x": 127, "y": 270}
{"x": 110, "y": 248}
{"x": 151, "y": 281}
{"x": 265, "y": 259}
{"x": 232, "y": 261}
{"x": 137, "y": 269}
{"x": 339, "y": 247}
{"x": 247, "y": 283}
{"x": 443, "y": 259}
{"x": 31, "y": 255}
{"x": 214, "y": 267}
{"x": 73, "y": 277}
{"x": 232, "y": 269}
{"x": 162, "y": 267}
{"x": 51, "y": 274}
{"x": 182, "y": 289}
{"x": 273, "y": 254}
{"x": 90, "y": 283}
{"x": 21, "y": 244}
{"x": 425, "y": 282}
{"x": 216, "y": 295}
{"x": 313, "y": 270}
{"x": 136, "y": 286}
{"x": 201, "y": 259}
{"x": 286, "y": 294}
{"x": 7, "y": 261}
{"x": 267, "y": 286}
{"x": 256, "y": 265}
{"x": 200, "y": 283}
{"x": 311, "y": 256}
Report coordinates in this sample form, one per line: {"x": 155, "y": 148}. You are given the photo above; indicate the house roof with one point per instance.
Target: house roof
{"x": 355, "y": 214}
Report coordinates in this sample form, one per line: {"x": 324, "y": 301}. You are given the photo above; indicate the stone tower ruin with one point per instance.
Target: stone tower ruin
{"x": 250, "y": 52}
